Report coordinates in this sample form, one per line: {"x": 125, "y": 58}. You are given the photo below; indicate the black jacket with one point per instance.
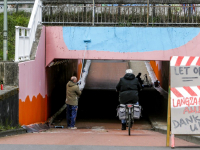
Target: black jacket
{"x": 139, "y": 79}
{"x": 128, "y": 88}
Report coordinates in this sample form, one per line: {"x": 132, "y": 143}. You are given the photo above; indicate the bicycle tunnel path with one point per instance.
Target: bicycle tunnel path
{"x": 99, "y": 100}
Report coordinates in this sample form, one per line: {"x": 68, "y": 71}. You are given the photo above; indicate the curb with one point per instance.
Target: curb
{"x": 188, "y": 138}
{"x": 12, "y": 132}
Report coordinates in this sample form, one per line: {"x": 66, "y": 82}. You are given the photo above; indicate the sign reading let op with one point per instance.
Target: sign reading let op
{"x": 185, "y": 95}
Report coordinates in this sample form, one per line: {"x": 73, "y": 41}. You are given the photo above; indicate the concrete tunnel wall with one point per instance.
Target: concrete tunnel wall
{"x": 41, "y": 88}
{"x": 33, "y": 100}
{"x": 121, "y": 43}
{"x": 57, "y": 78}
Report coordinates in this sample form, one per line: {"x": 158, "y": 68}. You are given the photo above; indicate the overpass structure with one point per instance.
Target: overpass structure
{"x": 62, "y": 33}
{"x": 113, "y": 1}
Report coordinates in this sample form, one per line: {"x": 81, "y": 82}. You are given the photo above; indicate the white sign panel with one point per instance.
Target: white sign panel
{"x": 185, "y": 95}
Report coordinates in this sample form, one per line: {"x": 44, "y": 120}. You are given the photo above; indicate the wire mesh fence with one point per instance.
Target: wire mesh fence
{"x": 130, "y": 15}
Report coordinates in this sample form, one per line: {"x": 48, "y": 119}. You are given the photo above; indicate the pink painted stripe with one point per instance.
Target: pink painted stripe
{"x": 190, "y": 61}
{"x": 179, "y": 60}
{"x": 176, "y": 92}
{"x": 198, "y": 62}
{"x": 190, "y": 91}
{"x": 198, "y": 87}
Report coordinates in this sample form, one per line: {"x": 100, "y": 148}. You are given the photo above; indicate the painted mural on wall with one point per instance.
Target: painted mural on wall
{"x": 33, "y": 104}
{"x": 127, "y": 43}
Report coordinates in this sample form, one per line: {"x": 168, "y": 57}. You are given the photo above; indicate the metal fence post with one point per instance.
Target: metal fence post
{"x": 16, "y": 44}
{"x": 23, "y": 46}
{"x": 147, "y": 12}
{"x": 93, "y": 14}
{"x": 29, "y": 41}
{"x": 5, "y": 32}
{"x": 17, "y": 6}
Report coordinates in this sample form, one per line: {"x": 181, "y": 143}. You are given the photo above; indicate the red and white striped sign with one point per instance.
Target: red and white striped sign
{"x": 185, "y": 91}
{"x": 185, "y": 95}
{"x": 185, "y": 61}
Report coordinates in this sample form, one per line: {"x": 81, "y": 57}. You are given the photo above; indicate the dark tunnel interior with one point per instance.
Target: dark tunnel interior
{"x": 102, "y": 104}
{"x": 96, "y": 104}
{"x": 99, "y": 104}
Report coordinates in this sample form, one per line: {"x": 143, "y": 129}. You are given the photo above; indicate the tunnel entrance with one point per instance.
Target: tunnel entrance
{"x": 98, "y": 108}
{"x": 98, "y": 104}
{"x": 99, "y": 100}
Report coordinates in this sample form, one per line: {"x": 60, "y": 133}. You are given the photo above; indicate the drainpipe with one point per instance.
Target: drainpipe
{"x": 5, "y": 33}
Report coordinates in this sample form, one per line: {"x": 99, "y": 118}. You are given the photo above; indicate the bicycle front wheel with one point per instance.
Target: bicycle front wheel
{"x": 129, "y": 124}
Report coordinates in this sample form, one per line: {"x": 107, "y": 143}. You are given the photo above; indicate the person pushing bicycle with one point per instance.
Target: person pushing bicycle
{"x": 128, "y": 88}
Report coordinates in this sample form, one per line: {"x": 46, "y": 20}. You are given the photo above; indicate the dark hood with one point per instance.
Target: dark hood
{"x": 129, "y": 76}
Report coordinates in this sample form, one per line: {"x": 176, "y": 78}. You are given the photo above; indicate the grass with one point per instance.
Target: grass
{"x": 7, "y": 126}
{"x": 4, "y": 128}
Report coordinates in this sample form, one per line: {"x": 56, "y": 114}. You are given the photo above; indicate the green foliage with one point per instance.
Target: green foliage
{"x": 7, "y": 126}
{"x": 14, "y": 19}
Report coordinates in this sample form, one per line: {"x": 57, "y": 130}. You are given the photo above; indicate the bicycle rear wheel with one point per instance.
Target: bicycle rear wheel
{"x": 129, "y": 124}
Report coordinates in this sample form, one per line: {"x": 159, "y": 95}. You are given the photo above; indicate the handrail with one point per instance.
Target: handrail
{"x": 25, "y": 36}
{"x": 19, "y": 27}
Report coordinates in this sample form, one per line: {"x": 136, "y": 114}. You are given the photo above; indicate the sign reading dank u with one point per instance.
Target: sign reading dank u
{"x": 185, "y": 95}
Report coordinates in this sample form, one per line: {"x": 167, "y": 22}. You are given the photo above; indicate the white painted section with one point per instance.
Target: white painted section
{"x": 173, "y": 60}
{"x": 196, "y": 90}
{"x": 184, "y": 61}
{"x": 194, "y": 61}
{"x": 183, "y": 91}
{"x": 151, "y": 72}
{"x": 84, "y": 75}
{"x": 32, "y": 78}
{"x": 24, "y": 37}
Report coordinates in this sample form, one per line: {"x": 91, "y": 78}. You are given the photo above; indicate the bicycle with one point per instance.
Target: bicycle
{"x": 130, "y": 118}
{"x": 129, "y": 112}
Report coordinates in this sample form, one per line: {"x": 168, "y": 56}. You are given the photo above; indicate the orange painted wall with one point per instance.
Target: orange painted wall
{"x": 35, "y": 111}
{"x": 156, "y": 70}
{"x": 79, "y": 67}
{"x": 161, "y": 70}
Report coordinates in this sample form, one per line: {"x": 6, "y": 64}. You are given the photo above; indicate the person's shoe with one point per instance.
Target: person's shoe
{"x": 68, "y": 127}
{"x": 123, "y": 126}
{"x": 73, "y": 127}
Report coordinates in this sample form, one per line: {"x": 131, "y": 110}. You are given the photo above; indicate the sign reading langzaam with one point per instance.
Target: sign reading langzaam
{"x": 185, "y": 95}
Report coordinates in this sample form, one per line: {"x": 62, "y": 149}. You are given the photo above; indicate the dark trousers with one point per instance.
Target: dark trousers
{"x": 71, "y": 113}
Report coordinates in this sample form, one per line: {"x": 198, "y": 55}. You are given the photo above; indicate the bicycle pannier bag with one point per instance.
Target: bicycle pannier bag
{"x": 137, "y": 111}
{"x": 121, "y": 112}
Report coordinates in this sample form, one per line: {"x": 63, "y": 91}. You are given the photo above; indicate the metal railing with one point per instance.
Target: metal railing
{"x": 121, "y": 15}
{"x": 24, "y": 37}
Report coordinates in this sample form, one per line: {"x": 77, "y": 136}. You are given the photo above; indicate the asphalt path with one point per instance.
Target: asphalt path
{"x": 83, "y": 147}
